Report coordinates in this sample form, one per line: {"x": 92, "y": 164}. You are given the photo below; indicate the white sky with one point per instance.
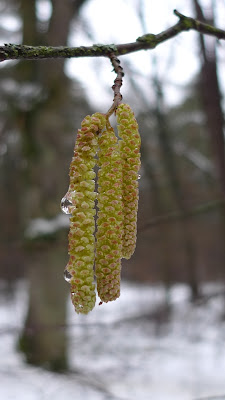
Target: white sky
{"x": 117, "y": 21}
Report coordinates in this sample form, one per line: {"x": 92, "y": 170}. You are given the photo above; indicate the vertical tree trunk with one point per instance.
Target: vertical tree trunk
{"x": 44, "y": 340}
{"x": 178, "y": 195}
{"x": 158, "y": 208}
{"x": 45, "y": 131}
{"x": 211, "y": 100}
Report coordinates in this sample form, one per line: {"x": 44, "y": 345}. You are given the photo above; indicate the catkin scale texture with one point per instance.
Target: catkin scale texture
{"x": 82, "y": 224}
{"x": 130, "y": 153}
{"x": 110, "y": 217}
{"x": 117, "y": 195}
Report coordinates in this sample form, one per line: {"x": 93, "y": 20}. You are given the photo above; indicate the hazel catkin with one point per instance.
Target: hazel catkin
{"x": 117, "y": 185}
{"x": 81, "y": 195}
{"x": 130, "y": 153}
{"x": 110, "y": 217}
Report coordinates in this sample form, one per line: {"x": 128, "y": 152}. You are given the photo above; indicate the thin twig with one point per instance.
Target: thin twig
{"x": 169, "y": 218}
{"x": 145, "y": 42}
{"x": 175, "y": 216}
{"x": 117, "y": 83}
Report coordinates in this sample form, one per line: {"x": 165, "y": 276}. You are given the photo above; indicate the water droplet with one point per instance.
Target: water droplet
{"x": 67, "y": 276}
{"x": 139, "y": 177}
{"x": 66, "y": 203}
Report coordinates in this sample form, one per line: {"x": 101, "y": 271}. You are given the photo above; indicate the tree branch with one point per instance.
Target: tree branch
{"x": 145, "y": 42}
{"x": 175, "y": 216}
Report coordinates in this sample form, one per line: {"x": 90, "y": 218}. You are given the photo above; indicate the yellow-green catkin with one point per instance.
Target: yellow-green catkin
{"x": 82, "y": 195}
{"x": 130, "y": 154}
{"x": 110, "y": 217}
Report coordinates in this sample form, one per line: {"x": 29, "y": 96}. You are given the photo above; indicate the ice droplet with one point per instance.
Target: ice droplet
{"x": 66, "y": 203}
{"x": 139, "y": 177}
{"x": 67, "y": 276}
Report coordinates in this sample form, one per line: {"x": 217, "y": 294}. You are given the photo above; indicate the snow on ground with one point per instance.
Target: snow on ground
{"x": 119, "y": 352}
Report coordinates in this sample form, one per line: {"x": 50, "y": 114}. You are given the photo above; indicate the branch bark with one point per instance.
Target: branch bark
{"x": 145, "y": 42}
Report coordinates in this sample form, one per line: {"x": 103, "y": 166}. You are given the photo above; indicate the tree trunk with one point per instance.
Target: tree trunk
{"x": 47, "y": 127}
{"x": 44, "y": 340}
{"x": 176, "y": 190}
{"x": 211, "y": 100}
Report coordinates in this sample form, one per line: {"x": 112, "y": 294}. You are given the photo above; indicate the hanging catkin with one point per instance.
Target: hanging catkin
{"x": 110, "y": 217}
{"x": 130, "y": 154}
{"x": 82, "y": 195}
{"x": 119, "y": 162}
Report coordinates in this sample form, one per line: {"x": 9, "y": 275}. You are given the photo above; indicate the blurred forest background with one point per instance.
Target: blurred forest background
{"x": 181, "y": 221}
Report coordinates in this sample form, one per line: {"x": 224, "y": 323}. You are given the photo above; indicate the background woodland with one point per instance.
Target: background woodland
{"x": 181, "y": 220}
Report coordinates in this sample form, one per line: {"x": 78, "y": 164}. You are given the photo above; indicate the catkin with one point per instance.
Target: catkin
{"x": 110, "y": 217}
{"x": 119, "y": 163}
{"x": 130, "y": 154}
{"x": 82, "y": 224}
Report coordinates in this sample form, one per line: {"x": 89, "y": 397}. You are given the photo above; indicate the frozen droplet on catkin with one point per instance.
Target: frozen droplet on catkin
{"x": 66, "y": 204}
{"x": 67, "y": 276}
